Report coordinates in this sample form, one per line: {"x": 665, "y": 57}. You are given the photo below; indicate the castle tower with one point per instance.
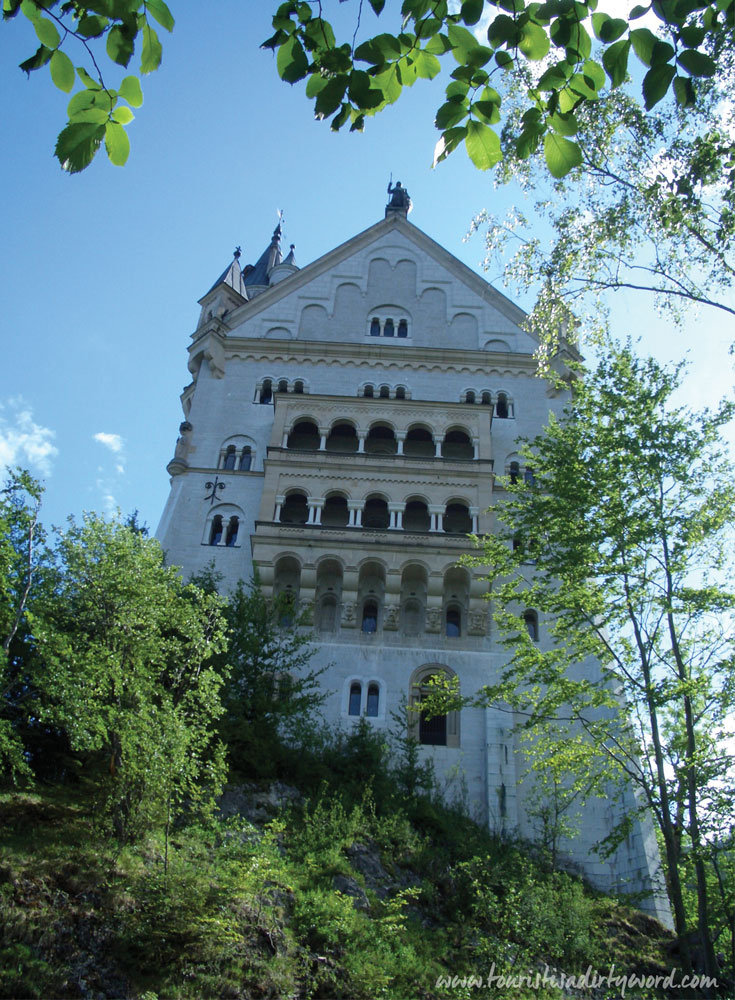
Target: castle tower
{"x": 345, "y": 428}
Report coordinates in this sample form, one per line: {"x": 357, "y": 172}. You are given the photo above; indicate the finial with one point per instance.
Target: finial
{"x": 236, "y": 253}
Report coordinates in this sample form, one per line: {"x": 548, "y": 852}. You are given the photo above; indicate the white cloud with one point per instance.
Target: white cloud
{"x": 23, "y": 441}
{"x": 112, "y": 441}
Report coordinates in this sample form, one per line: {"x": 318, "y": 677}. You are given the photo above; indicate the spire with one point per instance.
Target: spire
{"x": 232, "y": 275}
{"x": 270, "y": 258}
{"x": 400, "y": 201}
{"x": 290, "y": 259}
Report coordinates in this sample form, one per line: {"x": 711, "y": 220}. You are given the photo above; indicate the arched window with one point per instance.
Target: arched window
{"x": 380, "y": 441}
{"x": 373, "y": 701}
{"x": 375, "y": 514}
{"x": 419, "y": 443}
{"x": 437, "y": 730}
{"x": 246, "y": 459}
{"x": 411, "y": 623}
{"x": 402, "y": 328}
{"x": 530, "y": 619}
{"x": 304, "y": 436}
{"x": 283, "y": 385}
{"x": 369, "y": 617}
{"x": 298, "y": 387}
{"x": 457, "y": 519}
{"x": 355, "y": 699}
{"x": 375, "y": 327}
{"x": 232, "y": 529}
{"x": 384, "y": 392}
{"x": 486, "y": 400}
{"x": 453, "y": 623}
{"x": 457, "y": 444}
{"x": 416, "y": 516}
{"x": 389, "y": 328}
{"x": 295, "y": 509}
{"x": 501, "y": 407}
{"x": 266, "y": 393}
{"x": 229, "y": 458}
{"x": 400, "y": 390}
{"x": 215, "y": 533}
{"x": 368, "y": 392}
{"x": 469, "y": 396}
{"x": 328, "y": 614}
{"x": 343, "y": 438}
{"x": 335, "y": 513}
{"x": 515, "y": 472}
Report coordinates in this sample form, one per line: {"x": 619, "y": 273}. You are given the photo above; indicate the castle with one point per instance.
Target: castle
{"x": 348, "y": 423}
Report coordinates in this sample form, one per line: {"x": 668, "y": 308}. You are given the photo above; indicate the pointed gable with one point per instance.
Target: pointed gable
{"x": 391, "y": 284}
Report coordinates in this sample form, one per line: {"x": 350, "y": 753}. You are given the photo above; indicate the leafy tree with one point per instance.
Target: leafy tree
{"x": 271, "y": 693}
{"x": 21, "y": 556}
{"x": 350, "y": 81}
{"x": 124, "y": 663}
{"x": 621, "y": 540}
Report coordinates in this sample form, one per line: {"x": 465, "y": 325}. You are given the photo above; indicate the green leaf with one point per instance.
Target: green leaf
{"x": 161, "y": 13}
{"x": 117, "y": 144}
{"x": 427, "y": 65}
{"x": 615, "y": 61}
{"x": 555, "y": 76}
{"x": 438, "y": 45}
{"x": 378, "y": 50}
{"x": 86, "y": 79}
{"x": 471, "y": 11}
{"x": 463, "y": 42}
{"x": 483, "y": 145}
{"x": 150, "y": 57}
{"x": 451, "y": 113}
{"x": 561, "y": 154}
{"x": 608, "y": 29}
{"x": 389, "y": 84}
{"x": 122, "y": 115}
{"x": 80, "y": 102}
{"x": 77, "y": 145}
{"x": 503, "y": 30}
{"x": 638, "y": 11}
{"x": 534, "y": 43}
{"x": 62, "y": 71}
{"x": 339, "y": 119}
{"x": 448, "y": 142}
{"x": 563, "y": 124}
{"x": 488, "y": 111}
{"x": 594, "y": 74}
{"x": 92, "y": 25}
{"x": 697, "y": 63}
{"x": 97, "y": 115}
{"x": 47, "y": 33}
{"x": 656, "y": 83}
{"x": 131, "y": 92}
{"x": 643, "y": 42}
{"x": 330, "y": 97}
{"x": 377, "y": 5}
{"x": 684, "y": 91}
{"x": 120, "y": 45}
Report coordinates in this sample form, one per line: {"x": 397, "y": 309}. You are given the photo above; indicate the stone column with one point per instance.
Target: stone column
{"x": 361, "y": 435}
{"x": 474, "y": 511}
{"x": 396, "y": 516}
{"x": 400, "y": 438}
{"x": 284, "y": 440}
{"x": 475, "y": 448}
{"x": 316, "y": 505}
{"x": 355, "y": 509}
{"x": 438, "y": 442}
{"x": 322, "y": 439}
{"x": 435, "y": 512}
{"x": 280, "y": 501}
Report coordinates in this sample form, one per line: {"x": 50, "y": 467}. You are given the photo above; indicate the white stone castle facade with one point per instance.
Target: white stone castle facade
{"x": 347, "y": 424}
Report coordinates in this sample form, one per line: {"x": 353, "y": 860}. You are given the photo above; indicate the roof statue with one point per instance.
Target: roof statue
{"x": 400, "y": 200}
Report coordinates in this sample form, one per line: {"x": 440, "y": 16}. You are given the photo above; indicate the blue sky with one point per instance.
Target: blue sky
{"x": 102, "y": 271}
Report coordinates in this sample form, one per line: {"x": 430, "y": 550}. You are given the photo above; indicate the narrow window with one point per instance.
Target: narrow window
{"x": 400, "y": 392}
{"x": 283, "y": 385}
{"x": 501, "y": 407}
{"x": 229, "y": 462}
{"x": 246, "y": 459}
{"x": 433, "y": 731}
{"x": 355, "y": 699}
{"x": 232, "y": 529}
{"x": 373, "y": 699}
{"x": 517, "y": 542}
{"x": 403, "y": 328}
{"x": 453, "y": 623}
{"x": 368, "y": 392}
{"x": 531, "y": 622}
{"x": 370, "y": 617}
{"x": 515, "y": 471}
{"x": 375, "y": 327}
{"x": 486, "y": 401}
{"x": 469, "y": 397}
{"x": 389, "y": 328}
{"x": 215, "y": 533}
{"x": 298, "y": 388}
{"x": 384, "y": 392}
{"x": 266, "y": 393}
{"x": 529, "y": 478}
